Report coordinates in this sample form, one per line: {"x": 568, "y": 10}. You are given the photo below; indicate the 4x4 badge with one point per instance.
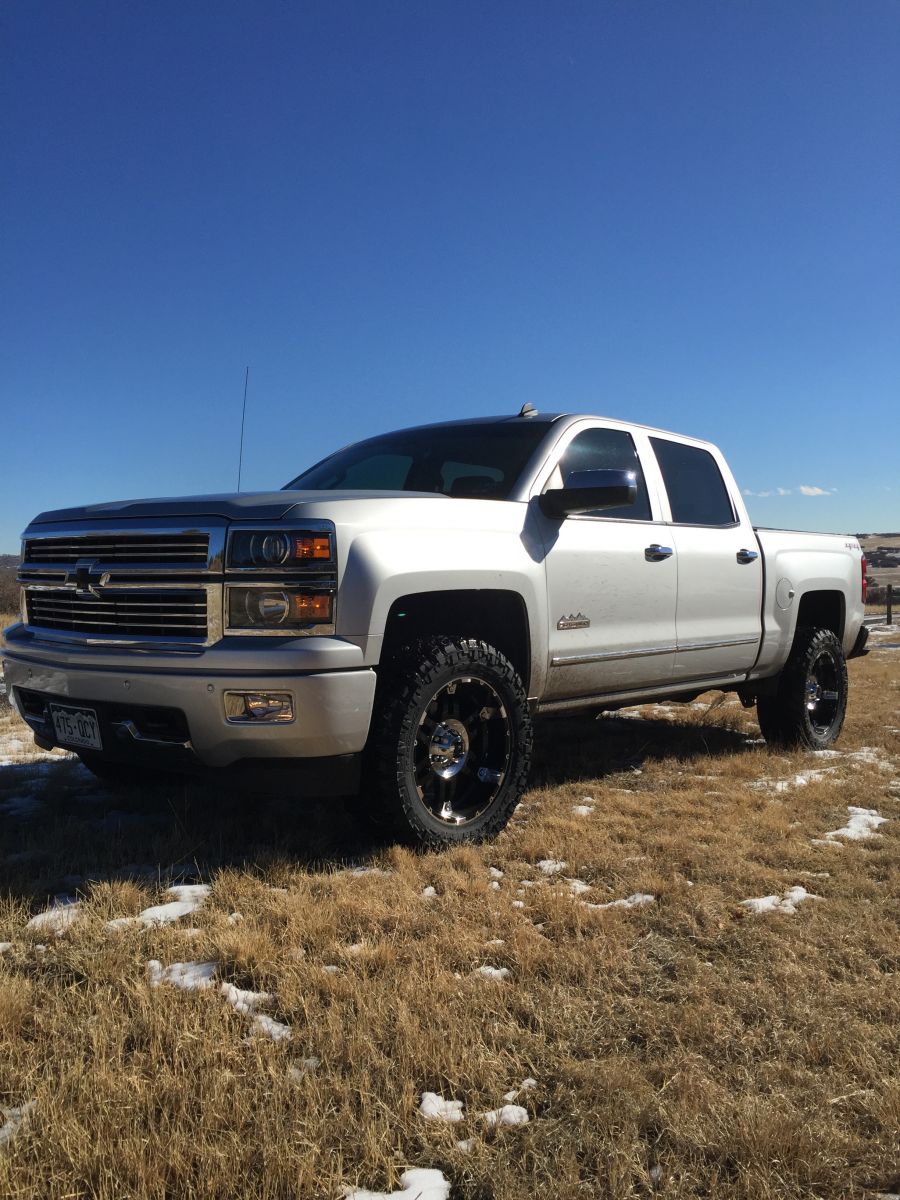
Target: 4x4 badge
{"x": 578, "y": 622}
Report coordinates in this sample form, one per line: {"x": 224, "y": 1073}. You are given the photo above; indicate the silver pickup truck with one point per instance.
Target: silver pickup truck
{"x": 390, "y": 622}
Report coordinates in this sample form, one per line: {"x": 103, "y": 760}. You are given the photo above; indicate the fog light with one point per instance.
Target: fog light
{"x": 258, "y": 706}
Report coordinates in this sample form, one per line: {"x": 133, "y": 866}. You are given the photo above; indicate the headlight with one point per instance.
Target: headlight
{"x": 286, "y": 608}
{"x": 271, "y": 548}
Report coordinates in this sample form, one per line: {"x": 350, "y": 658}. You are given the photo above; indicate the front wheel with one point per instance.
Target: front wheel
{"x": 451, "y": 741}
{"x": 809, "y": 707}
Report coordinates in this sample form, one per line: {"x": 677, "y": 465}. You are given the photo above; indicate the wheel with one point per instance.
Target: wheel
{"x": 809, "y": 707}
{"x": 451, "y": 738}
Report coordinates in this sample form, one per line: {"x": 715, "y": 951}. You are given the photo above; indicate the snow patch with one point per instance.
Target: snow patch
{"x": 429, "y": 893}
{"x": 638, "y": 900}
{"x": 419, "y": 1183}
{"x": 488, "y": 972}
{"x": 268, "y": 1027}
{"x": 552, "y": 866}
{"x": 186, "y": 975}
{"x": 242, "y": 1001}
{"x": 783, "y": 904}
{"x": 56, "y": 919}
{"x": 577, "y": 886}
{"x": 508, "y": 1114}
{"x": 434, "y": 1108}
{"x": 862, "y": 825}
{"x": 582, "y": 810}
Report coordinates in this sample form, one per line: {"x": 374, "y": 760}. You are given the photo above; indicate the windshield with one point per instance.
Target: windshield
{"x": 477, "y": 461}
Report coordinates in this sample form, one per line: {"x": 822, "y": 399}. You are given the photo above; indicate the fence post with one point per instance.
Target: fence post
{"x": 890, "y": 596}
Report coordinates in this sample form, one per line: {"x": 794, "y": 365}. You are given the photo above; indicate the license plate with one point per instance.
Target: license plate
{"x": 76, "y": 726}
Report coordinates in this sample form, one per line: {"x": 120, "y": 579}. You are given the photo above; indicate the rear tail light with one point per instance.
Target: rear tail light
{"x": 865, "y": 579}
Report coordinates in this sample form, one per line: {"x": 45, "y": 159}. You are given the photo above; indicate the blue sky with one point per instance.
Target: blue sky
{"x": 684, "y": 214}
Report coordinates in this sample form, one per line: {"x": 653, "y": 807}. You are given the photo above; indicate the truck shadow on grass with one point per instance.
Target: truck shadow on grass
{"x": 577, "y": 747}
{"x": 61, "y": 829}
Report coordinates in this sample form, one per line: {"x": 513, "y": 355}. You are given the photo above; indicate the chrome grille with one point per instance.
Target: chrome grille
{"x": 127, "y": 612}
{"x": 181, "y": 548}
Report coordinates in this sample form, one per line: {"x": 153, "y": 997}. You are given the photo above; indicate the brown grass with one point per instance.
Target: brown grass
{"x": 687, "y": 1047}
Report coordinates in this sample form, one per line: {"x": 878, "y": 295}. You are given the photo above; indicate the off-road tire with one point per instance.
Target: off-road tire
{"x": 809, "y": 706}
{"x": 442, "y": 770}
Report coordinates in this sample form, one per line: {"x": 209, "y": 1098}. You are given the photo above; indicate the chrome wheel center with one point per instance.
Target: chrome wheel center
{"x": 448, "y": 748}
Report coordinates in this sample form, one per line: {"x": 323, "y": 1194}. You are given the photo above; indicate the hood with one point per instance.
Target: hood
{"x": 233, "y": 506}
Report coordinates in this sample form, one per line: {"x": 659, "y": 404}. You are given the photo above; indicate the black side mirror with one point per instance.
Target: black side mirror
{"x": 586, "y": 491}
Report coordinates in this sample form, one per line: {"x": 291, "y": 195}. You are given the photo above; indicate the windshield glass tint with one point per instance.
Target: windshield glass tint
{"x": 474, "y": 461}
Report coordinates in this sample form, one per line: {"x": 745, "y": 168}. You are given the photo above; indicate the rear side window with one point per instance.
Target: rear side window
{"x": 608, "y": 450}
{"x": 697, "y": 492}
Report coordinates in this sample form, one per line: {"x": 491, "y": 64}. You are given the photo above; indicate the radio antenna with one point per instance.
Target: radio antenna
{"x": 243, "y": 414}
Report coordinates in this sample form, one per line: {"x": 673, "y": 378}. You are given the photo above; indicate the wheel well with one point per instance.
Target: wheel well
{"x": 497, "y": 617}
{"x": 822, "y": 610}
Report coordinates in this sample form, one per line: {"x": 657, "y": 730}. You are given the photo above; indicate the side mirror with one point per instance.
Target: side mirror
{"x": 586, "y": 491}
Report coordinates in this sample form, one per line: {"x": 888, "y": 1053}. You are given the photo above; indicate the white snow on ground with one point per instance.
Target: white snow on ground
{"x": 242, "y": 1001}
{"x": 419, "y": 1183}
{"x": 187, "y": 975}
{"x": 429, "y": 893}
{"x": 783, "y": 904}
{"x": 552, "y": 866}
{"x": 4, "y": 946}
{"x": 493, "y": 972}
{"x": 495, "y": 873}
{"x": 270, "y": 1028}
{"x": 582, "y": 810}
{"x": 878, "y": 631}
{"x": 862, "y": 825}
{"x": 188, "y": 898}
{"x": 466, "y": 1145}
{"x": 638, "y": 900}
{"x": 527, "y": 1085}
{"x": 434, "y": 1108}
{"x": 13, "y": 1119}
{"x": 56, "y": 919}
{"x": 578, "y": 886}
{"x": 509, "y": 1114}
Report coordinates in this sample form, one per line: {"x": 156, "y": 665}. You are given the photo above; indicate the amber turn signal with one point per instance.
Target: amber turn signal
{"x": 312, "y": 546}
{"x": 311, "y": 606}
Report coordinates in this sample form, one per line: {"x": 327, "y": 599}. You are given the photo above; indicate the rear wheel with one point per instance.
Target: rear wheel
{"x": 809, "y": 707}
{"x": 451, "y": 741}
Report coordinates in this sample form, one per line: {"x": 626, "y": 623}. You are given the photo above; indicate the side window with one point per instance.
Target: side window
{"x": 697, "y": 492}
{"x": 608, "y": 450}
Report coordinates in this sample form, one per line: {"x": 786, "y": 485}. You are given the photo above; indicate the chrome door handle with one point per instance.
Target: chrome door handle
{"x": 656, "y": 553}
{"x": 747, "y": 556}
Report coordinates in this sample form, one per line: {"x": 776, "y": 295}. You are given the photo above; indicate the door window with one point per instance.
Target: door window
{"x": 608, "y": 450}
{"x": 697, "y": 492}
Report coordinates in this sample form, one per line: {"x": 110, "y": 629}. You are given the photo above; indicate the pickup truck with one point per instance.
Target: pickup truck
{"x": 389, "y": 623}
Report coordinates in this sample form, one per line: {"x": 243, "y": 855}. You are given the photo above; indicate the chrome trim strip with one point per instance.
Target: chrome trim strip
{"x": 574, "y": 660}
{"x": 751, "y": 641}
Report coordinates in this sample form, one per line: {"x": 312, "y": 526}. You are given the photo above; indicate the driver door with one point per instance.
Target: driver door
{"x": 611, "y": 576}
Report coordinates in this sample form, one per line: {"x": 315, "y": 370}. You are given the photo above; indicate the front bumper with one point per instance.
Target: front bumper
{"x": 332, "y": 693}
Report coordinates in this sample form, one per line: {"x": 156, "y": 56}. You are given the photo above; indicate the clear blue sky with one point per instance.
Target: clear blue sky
{"x": 685, "y": 214}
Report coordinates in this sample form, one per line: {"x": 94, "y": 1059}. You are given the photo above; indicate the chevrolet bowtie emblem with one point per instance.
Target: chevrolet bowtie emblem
{"x": 86, "y": 577}
{"x": 580, "y": 621}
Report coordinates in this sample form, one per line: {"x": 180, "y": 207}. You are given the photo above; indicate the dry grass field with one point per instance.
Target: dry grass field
{"x": 685, "y": 1044}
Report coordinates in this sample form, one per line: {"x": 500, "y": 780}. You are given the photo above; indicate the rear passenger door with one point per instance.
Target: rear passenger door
{"x": 718, "y": 617}
{"x": 611, "y": 575}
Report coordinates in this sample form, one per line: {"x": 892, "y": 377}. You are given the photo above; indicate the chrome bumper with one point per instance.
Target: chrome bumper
{"x": 332, "y": 694}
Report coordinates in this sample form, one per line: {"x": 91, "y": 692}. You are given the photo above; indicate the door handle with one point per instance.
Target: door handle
{"x": 656, "y": 553}
{"x": 747, "y": 556}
